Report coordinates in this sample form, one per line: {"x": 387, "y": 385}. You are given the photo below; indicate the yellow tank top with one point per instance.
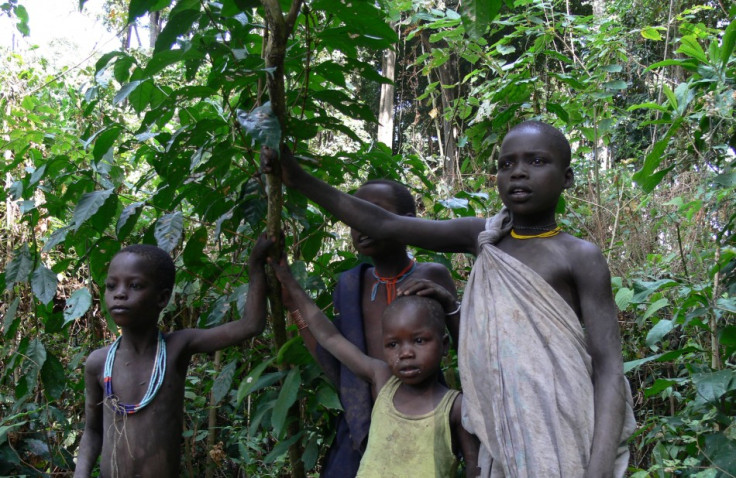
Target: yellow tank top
{"x": 401, "y": 446}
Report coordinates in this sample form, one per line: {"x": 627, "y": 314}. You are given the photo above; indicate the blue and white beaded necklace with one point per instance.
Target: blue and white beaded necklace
{"x": 154, "y": 384}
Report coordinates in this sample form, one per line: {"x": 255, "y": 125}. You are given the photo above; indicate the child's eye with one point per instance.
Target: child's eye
{"x": 135, "y": 285}
{"x": 390, "y": 345}
{"x": 109, "y": 285}
{"x": 504, "y": 164}
{"x": 419, "y": 340}
{"x": 537, "y": 161}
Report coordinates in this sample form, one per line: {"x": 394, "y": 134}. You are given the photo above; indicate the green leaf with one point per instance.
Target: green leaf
{"x": 559, "y": 111}
{"x": 88, "y": 206}
{"x": 223, "y": 382}
{"x": 104, "y": 142}
{"x": 249, "y": 382}
{"x": 262, "y": 125}
{"x": 168, "y": 231}
{"x": 19, "y": 268}
{"x": 287, "y": 397}
{"x": 9, "y": 319}
{"x": 328, "y": 398}
{"x": 654, "y": 307}
{"x": 712, "y": 386}
{"x": 662, "y": 328}
{"x": 478, "y": 14}
{"x": 35, "y": 356}
{"x": 125, "y": 91}
{"x": 721, "y": 451}
{"x": 127, "y": 219}
{"x": 623, "y": 298}
{"x": 616, "y": 85}
{"x": 194, "y": 251}
{"x": 179, "y": 23}
{"x": 281, "y": 448}
{"x": 689, "y": 46}
{"x": 727, "y": 45}
{"x": 77, "y": 305}
{"x": 43, "y": 284}
{"x": 56, "y": 238}
{"x": 53, "y": 377}
{"x": 659, "y": 385}
{"x": 651, "y": 33}
{"x": 633, "y": 364}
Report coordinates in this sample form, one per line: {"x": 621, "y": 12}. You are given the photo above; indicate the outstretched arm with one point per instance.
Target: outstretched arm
{"x": 453, "y": 235}
{"x": 91, "y": 443}
{"x": 604, "y": 345}
{"x": 253, "y": 320}
{"x": 368, "y": 368}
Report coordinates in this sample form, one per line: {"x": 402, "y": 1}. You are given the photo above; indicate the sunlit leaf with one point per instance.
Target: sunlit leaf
{"x": 262, "y": 125}
{"x": 88, "y": 206}
{"x": 43, "y": 284}
{"x": 77, "y": 305}
{"x": 168, "y": 231}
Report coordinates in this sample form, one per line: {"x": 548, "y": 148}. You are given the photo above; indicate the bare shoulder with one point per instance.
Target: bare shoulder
{"x": 432, "y": 270}
{"x": 584, "y": 253}
{"x": 96, "y": 360}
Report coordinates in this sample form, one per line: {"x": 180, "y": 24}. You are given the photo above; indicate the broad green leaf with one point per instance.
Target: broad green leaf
{"x": 53, "y": 377}
{"x": 559, "y": 111}
{"x": 633, "y": 364}
{"x": 56, "y": 238}
{"x": 659, "y": 385}
{"x": 76, "y": 306}
{"x": 19, "y": 268}
{"x": 729, "y": 40}
{"x": 223, "y": 382}
{"x": 712, "y": 385}
{"x": 35, "y": 356}
{"x": 248, "y": 383}
{"x": 9, "y": 318}
{"x": 721, "y": 452}
{"x": 88, "y": 206}
{"x": 623, "y": 298}
{"x": 194, "y": 251}
{"x": 651, "y": 33}
{"x": 327, "y": 397}
{"x": 287, "y": 396}
{"x": 125, "y": 91}
{"x": 43, "y": 284}
{"x": 179, "y": 23}
{"x": 104, "y": 142}
{"x": 654, "y": 307}
{"x": 662, "y": 328}
{"x": 127, "y": 219}
{"x": 615, "y": 85}
{"x": 654, "y": 158}
{"x": 689, "y": 46}
{"x": 168, "y": 231}
{"x": 262, "y": 125}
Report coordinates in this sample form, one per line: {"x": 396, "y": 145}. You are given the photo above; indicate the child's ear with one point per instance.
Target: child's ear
{"x": 445, "y": 343}
{"x": 569, "y": 178}
{"x": 163, "y": 297}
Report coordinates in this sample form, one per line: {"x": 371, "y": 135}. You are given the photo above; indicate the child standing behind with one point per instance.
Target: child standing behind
{"x": 135, "y": 387}
{"x": 416, "y": 421}
{"x": 545, "y": 397}
{"x": 361, "y": 296}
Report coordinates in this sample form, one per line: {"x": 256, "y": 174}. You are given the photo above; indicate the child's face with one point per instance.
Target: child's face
{"x": 382, "y": 196}
{"x": 132, "y": 295}
{"x": 531, "y": 172}
{"x": 412, "y": 344}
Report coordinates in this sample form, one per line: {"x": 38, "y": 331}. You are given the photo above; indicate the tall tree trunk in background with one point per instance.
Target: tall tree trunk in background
{"x": 446, "y": 74}
{"x": 386, "y": 104}
{"x": 154, "y": 19}
{"x": 276, "y": 35}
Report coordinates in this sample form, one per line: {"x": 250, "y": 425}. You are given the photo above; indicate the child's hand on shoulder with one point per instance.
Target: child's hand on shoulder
{"x": 428, "y": 288}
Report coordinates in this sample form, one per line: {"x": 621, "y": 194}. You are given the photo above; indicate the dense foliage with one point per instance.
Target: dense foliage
{"x": 161, "y": 146}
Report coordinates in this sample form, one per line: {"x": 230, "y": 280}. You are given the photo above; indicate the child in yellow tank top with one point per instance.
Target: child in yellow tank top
{"x": 416, "y": 425}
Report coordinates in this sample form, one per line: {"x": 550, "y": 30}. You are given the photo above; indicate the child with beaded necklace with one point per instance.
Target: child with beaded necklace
{"x": 135, "y": 387}
{"x": 544, "y": 396}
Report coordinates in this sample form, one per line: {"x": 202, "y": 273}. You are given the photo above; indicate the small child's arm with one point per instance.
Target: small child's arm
{"x": 452, "y": 235}
{"x": 604, "y": 345}
{"x": 372, "y": 370}
{"x": 91, "y": 444}
{"x": 466, "y": 441}
{"x": 253, "y": 320}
